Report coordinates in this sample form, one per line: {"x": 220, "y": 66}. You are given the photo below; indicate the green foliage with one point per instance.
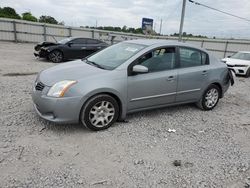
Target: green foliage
{"x": 49, "y": 19}
{"x": 188, "y": 35}
{"x": 29, "y": 17}
{"x": 118, "y": 29}
{"x": 8, "y": 12}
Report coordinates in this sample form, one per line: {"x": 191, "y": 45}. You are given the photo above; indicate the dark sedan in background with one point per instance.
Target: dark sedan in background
{"x": 68, "y": 48}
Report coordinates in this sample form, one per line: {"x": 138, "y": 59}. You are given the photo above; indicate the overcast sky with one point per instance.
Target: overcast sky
{"x": 198, "y": 20}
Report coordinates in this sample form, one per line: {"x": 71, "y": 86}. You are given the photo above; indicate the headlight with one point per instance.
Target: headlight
{"x": 59, "y": 89}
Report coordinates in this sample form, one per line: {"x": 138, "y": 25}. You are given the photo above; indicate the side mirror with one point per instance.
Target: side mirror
{"x": 140, "y": 69}
{"x": 229, "y": 56}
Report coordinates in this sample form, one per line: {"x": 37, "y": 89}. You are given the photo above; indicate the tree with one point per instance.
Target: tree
{"x": 48, "y": 19}
{"x": 124, "y": 28}
{"x": 8, "y": 12}
{"x": 138, "y": 30}
{"x": 29, "y": 17}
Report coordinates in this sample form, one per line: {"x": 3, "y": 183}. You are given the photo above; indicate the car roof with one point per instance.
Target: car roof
{"x": 151, "y": 42}
{"x": 72, "y": 38}
{"x": 248, "y": 52}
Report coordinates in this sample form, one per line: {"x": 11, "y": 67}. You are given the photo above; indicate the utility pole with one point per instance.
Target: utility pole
{"x": 96, "y": 24}
{"x": 182, "y": 19}
{"x": 160, "y": 26}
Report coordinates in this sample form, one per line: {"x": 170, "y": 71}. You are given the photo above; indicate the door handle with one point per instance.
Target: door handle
{"x": 83, "y": 48}
{"x": 204, "y": 72}
{"x": 170, "y": 78}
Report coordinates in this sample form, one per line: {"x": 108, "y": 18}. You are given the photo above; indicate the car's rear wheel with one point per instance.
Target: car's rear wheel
{"x": 100, "y": 112}
{"x": 210, "y": 98}
{"x": 56, "y": 56}
{"x": 248, "y": 73}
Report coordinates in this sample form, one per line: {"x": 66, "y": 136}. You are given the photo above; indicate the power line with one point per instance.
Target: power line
{"x": 197, "y": 3}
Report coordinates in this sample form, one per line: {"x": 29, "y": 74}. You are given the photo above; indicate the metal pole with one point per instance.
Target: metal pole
{"x": 225, "y": 51}
{"x": 160, "y": 26}
{"x": 44, "y": 33}
{"x": 15, "y": 32}
{"x": 70, "y": 31}
{"x": 182, "y": 19}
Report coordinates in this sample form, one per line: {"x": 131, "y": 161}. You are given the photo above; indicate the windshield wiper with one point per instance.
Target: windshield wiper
{"x": 92, "y": 63}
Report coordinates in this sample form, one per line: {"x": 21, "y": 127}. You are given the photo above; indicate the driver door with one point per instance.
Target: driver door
{"x": 157, "y": 86}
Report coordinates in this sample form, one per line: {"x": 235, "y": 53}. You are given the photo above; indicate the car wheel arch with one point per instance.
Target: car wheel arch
{"x": 112, "y": 94}
{"x": 219, "y": 86}
{"x": 58, "y": 49}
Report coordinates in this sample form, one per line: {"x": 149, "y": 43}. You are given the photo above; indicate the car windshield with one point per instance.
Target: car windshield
{"x": 241, "y": 55}
{"x": 115, "y": 55}
{"x": 64, "y": 41}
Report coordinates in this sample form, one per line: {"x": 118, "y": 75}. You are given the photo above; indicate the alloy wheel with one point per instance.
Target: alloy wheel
{"x": 101, "y": 114}
{"x": 211, "y": 97}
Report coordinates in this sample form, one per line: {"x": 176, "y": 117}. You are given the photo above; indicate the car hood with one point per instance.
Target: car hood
{"x": 45, "y": 45}
{"x": 73, "y": 70}
{"x": 231, "y": 61}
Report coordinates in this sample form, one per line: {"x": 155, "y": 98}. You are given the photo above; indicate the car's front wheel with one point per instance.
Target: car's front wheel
{"x": 210, "y": 98}
{"x": 55, "y": 56}
{"x": 100, "y": 112}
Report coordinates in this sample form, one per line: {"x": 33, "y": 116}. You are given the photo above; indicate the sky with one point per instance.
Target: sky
{"x": 198, "y": 20}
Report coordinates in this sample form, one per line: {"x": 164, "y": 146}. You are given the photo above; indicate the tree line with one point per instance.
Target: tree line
{"x": 124, "y": 29}
{"x": 8, "y": 12}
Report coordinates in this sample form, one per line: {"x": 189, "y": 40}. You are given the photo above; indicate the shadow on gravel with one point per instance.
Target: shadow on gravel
{"x": 42, "y": 60}
{"x": 48, "y": 61}
{"x": 61, "y": 128}
{"x": 20, "y": 74}
{"x": 76, "y": 128}
{"x": 169, "y": 110}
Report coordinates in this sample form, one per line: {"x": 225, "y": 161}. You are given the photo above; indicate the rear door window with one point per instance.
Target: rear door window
{"x": 79, "y": 41}
{"x": 92, "y": 41}
{"x": 191, "y": 57}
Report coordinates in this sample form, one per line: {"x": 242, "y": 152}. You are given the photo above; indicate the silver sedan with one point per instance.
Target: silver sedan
{"x": 127, "y": 77}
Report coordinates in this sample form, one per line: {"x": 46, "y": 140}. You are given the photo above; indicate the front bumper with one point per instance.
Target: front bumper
{"x": 41, "y": 53}
{"x": 239, "y": 70}
{"x": 57, "y": 110}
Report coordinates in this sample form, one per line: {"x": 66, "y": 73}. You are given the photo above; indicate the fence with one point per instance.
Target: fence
{"x": 24, "y": 31}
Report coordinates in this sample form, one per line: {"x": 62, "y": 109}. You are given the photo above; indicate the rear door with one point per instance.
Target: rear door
{"x": 193, "y": 74}
{"x": 92, "y": 46}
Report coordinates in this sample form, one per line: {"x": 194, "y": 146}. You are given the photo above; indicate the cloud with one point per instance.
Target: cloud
{"x": 198, "y": 20}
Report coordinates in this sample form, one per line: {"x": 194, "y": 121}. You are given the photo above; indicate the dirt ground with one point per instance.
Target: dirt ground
{"x": 208, "y": 149}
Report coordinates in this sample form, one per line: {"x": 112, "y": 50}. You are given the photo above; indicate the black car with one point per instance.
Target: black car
{"x": 68, "y": 48}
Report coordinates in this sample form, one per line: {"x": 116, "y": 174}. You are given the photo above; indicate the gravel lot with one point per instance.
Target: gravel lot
{"x": 208, "y": 149}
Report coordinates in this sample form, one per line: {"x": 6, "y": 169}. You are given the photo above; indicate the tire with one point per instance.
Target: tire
{"x": 248, "y": 73}
{"x": 210, "y": 98}
{"x": 100, "y": 112}
{"x": 56, "y": 56}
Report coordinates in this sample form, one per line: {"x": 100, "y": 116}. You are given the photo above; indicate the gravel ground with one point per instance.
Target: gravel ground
{"x": 208, "y": 149}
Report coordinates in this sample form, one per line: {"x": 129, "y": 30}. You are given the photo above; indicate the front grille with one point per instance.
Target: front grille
{"x": 230, "y": 65}
{"x": 39, "y": 86}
